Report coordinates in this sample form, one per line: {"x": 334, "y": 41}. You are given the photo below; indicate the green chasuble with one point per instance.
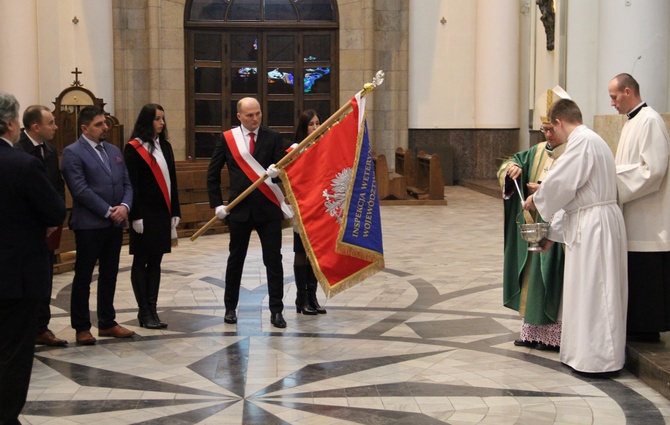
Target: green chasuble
{"x": 545, "y": 283}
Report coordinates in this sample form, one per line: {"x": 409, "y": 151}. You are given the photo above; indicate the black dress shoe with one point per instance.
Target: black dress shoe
{"x": 522, "y": 343}
{"x": 546, "y": 347}
{"x": 277, "y": 320}
{"x": 230, "y": 317}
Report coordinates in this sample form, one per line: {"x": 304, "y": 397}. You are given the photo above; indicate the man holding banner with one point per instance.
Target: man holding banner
{"x": 249, "y": 150}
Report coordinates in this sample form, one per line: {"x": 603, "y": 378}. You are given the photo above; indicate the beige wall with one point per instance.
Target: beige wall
{"x": 609, "y": 127}
{"x": 149, "y": 63}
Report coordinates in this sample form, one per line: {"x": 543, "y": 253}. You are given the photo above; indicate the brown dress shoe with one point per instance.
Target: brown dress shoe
{"x": 48, "y": 338}
{"x": 85, "y": 338}
{"x": 117, "y": 332}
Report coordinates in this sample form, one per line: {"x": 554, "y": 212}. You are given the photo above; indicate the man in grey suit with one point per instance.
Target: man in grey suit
{"x": 39, "y": 127}
{"x": 29, "y": 207}
{"x": 102, "y": 196}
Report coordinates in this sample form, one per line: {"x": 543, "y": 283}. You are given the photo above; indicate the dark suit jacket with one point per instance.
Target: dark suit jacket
{"x": 94, "y": 190}
{"x": 29, "y": 205}
{"x": 268, "y": 150}
{"x": 50, "y": 161}
{"x": 149, "y": 203}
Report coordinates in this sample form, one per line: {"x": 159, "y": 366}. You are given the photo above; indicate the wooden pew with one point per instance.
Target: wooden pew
{"x": 390, "y": 185}
{"x": 194, "y": 200}
{"x": 404, "y": 165}
{"x": 429, "y": 183}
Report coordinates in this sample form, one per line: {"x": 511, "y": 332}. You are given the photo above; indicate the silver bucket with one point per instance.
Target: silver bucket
{"x": 533, "y": 233}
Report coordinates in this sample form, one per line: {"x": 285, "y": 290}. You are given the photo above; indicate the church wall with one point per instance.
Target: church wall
{"x": 44, "y": 44}
{"x": 149, "y": 63}
{"x": 443, "y": 114}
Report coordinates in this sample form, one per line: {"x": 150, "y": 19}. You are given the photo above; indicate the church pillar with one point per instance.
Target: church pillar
{"x": 497, "y": 64}
{"x": 19, "y": 70}
{"x": 633, "y": 37}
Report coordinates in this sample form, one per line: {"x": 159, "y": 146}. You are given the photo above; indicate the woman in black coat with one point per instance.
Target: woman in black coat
{"x": 155, "y": 213}
{"x": 305, "y": 280}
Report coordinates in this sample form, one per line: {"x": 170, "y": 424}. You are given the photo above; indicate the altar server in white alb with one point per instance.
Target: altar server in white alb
{"x": 580, "y": 193}
{"x": 644, "y": 195}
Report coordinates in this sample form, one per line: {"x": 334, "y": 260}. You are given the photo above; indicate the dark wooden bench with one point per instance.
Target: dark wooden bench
{"x": 428, "y": 182}
{"x": 404, "y": 165}
{"x": 390, "y": 185}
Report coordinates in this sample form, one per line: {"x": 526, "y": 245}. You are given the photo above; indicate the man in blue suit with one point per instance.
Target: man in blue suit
{"x": 101, "y": 199}
{"x": 29, "y": 207}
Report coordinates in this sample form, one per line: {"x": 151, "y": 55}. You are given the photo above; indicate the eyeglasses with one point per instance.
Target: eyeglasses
{"x": 547, "y": 129}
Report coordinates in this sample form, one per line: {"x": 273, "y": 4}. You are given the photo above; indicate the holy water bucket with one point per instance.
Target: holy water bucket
{"x": 533, "y": 233}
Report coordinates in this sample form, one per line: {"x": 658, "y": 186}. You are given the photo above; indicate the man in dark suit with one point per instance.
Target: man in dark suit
{"x": 29, "y": 207}
{"x": 101, "y": 199}
{"x": 249, "y": 150}
{"x": 39, "y": 127}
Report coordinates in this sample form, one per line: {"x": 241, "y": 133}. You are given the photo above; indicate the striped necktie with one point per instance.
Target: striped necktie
{"x": 105, "y": 158}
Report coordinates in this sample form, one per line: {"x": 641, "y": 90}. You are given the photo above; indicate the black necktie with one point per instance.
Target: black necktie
{"x": 41, "y": 148}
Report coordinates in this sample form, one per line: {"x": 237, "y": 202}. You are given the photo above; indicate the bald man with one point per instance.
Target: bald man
{"x": 642, "y": 169}
{"x": 248, "y": 151}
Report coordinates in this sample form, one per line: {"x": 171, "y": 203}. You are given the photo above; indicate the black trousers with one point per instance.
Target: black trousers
{"x": 270, "y": 236}
{"x": 44, "y": 309}
{"x": 18, "y": 321}
{"x": 648, "y": 292}
{"x": 103, "y": 245}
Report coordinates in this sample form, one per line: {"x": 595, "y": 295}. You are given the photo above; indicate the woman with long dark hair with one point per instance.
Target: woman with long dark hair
{"x": 155, "y": 213}
{"x": 305, "y": 280}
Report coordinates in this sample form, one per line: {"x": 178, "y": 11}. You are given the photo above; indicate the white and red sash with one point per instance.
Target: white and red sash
{"x": 253, "y": 170}
{"x": 155, "y": 169}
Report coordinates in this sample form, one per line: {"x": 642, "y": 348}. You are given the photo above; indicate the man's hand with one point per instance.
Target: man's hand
{"x": 118, "y": 214}
{"x": 528, "y": 204}
{"x": 50, "y": 230}
{"x": 221, "y": 212}
{"x": 272, "y": 171}
{"x": 546, "y": 244}
{"x": 138, "y": 226}
{"x": 513, "y": 170}
{"x": 533, "y": 187}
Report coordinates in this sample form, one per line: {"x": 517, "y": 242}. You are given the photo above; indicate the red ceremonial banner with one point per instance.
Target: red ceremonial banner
{"x": 318, "y": 188}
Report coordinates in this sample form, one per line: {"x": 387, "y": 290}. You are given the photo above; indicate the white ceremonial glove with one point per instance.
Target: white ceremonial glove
{"x": 138, "y": 226}
{"x": 175, "y": 222}
{"x": 272, "y": 171}
{"x": 293, "y": 146}
{"x": 221, "y": 212}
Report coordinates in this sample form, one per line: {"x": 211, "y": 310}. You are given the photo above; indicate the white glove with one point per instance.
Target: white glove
{"x": 220, "y": 212}
{"x": 175, "y": 222}
{"x": 293, "y": 146}
{"x": 138, "y": 226}
{"x": 272, "y": 171}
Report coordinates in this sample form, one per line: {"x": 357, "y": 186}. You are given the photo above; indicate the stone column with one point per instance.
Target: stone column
{"x": 633, "y": 37}
{"x": 391, "y": 41}
{"x": 19, "y": 69}
{"x": 497, "y": 64}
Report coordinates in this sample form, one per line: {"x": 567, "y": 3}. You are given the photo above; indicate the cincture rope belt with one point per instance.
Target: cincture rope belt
{"x": 579, "y": 211}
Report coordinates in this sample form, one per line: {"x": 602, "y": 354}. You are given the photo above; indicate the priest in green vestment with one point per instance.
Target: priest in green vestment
{"x": 532, "y": 281}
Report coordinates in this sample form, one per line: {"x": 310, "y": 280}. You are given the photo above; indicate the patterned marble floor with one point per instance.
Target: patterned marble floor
{"x": 425, "y": 341}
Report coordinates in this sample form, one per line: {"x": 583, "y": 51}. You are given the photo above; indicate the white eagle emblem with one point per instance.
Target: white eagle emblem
{"x": 335, "y": 203}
